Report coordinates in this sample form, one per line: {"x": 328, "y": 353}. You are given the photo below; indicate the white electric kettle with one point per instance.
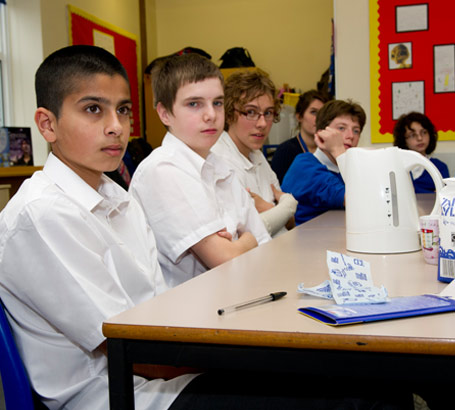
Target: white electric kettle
{"x": 381, "y": 208}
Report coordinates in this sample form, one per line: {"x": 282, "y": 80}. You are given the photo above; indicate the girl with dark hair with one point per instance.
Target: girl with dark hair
{"x": 306, "y": 110}
{"x": 416, "y": 132}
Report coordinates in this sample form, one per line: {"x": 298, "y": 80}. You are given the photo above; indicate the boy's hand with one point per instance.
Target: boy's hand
{"x": 260, "y": 204}
{"x": 276, "y": 193}
{"x": 330, "y": 141}
{"x": 225, "y": 234}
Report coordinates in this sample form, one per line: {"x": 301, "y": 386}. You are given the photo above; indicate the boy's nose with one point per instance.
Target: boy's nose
{"x": 209, "y": 113}
{"x": 261, "y": 122}
{"x": 113, "y": 125}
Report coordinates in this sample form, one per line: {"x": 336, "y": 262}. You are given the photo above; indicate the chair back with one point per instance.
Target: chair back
{"x": 16, "y": 386}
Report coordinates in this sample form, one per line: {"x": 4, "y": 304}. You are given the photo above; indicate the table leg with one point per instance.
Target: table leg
{"x": 121, "y": 387}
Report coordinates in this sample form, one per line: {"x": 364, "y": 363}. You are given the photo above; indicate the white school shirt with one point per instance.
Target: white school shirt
{"x": 254, "y": 173}
{"x": 325, "y": 160}
{"x": 187, "y": 198}
{"x": 71, "y": 258}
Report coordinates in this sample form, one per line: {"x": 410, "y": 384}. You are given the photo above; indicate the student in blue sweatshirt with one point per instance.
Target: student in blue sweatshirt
{"x": 314, "y": 179}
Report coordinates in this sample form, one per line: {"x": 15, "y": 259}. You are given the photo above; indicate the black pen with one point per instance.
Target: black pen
{"x": 269, "y": 298}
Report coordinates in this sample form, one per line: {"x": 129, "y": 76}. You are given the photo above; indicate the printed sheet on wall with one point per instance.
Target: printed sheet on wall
{"x": 412, "y": 63}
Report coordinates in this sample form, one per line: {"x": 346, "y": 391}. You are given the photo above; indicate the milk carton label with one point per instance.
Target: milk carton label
{"x": 447, "y": 206}
{"x": 446, "y": 264}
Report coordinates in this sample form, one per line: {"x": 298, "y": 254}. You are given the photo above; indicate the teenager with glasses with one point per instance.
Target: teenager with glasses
{"x": 251, "y": 108}
{"x": 416, "y": 132}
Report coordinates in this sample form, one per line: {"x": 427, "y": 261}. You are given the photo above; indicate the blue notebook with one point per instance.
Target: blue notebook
{"x": 398, "y": 307}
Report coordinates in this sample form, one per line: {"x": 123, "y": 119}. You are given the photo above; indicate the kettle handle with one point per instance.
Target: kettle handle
{"x": 413, "y": 158}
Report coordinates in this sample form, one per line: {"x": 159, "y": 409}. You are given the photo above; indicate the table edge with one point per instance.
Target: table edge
{"x": 296, "y": 340}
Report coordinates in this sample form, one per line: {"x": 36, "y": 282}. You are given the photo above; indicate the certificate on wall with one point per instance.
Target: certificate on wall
{"x": 444, "y": 68}
{"x": 406, "y": 97}
{"x": 90, "y": 30}
{"x": 413, "y": 17}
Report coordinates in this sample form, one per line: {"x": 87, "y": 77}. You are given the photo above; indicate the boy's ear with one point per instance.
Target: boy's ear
{"x": 45, "y": 121}
{"x": 163, "y": 113}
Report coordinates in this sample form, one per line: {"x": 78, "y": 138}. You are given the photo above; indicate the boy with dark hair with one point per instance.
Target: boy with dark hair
{"x": 314, "y": 179}
{"x": 75, "y": 248}
{"x": 200, "y": 213}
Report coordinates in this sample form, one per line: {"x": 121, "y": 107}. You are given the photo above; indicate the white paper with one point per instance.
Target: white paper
{"x": 104, "y": 40}
{"x": 350, "y": 282}
{"x": 449, "y": 290}
{"x": 444, "y": 68}
{"x": 407, "y": 97}
{"x": 412, "y": 18}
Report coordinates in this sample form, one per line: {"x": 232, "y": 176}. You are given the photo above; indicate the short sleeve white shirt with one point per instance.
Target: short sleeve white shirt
{"x": 187, "y": 198}
{"x": 253, "y": 172}
{"x": 71, "y": 258}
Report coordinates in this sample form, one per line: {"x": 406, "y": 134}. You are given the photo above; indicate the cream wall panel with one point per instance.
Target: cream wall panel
{"x": 290, "y": 39}
{"x": 24, "y": 23}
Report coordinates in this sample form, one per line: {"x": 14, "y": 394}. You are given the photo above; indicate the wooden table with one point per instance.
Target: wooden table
{"x": 182, "y": 327}
{"x": 14, "y": 176}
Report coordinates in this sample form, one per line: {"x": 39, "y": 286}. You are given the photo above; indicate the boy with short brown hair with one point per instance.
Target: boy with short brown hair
{"x": 314, "y": 179}
{"x": 198, "y": 210}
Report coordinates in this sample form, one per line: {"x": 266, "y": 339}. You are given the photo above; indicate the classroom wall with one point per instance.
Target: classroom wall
{"x": 289, "y": 39}
{"x": 352, "y": 67}
{"x": 38, "y": 28}
{"x": 24, "y": 23}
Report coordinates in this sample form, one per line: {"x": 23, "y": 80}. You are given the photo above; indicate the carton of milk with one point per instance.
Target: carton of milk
{"x": 446, "y": 263}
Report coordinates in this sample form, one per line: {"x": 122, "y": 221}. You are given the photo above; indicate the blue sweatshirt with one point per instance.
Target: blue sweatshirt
{"x": 314, "y": 186}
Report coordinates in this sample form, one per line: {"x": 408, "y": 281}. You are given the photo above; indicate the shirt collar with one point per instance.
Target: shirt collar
{"x": 76, "y": 188}
{"x": 325, "y": 160}
{"x": 254, "y": 159}
{"x": 213, "y": 164}
{"x": 171, "y": 141}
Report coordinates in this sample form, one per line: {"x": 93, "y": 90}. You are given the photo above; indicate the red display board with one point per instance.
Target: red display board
{"x": 412, "y": 64}
{"x": 89, "y": 30}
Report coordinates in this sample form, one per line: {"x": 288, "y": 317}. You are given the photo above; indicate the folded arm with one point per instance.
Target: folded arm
{"x": 214, "y": 249}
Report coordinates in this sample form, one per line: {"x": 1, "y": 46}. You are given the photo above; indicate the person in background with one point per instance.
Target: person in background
{"x": 251, "y": 107}
{"x": 26, "y": 158}
{"x": 314, "y": 179}
{"x": 416, "y": 132}
{"x": 307, "y": 108}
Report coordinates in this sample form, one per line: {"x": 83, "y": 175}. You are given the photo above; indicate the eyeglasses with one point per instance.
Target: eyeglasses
{"x": 416, "y": 134}
{"x": 254, "y": 115}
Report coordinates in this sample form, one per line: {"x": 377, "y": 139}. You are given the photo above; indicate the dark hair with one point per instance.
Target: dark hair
{"x": 243, "y": 87}
{"x": 59, "y": 74}
{"x": 404, "y": 123}
{"x": 171, "y": 73}
{"x": 337, "y": 108}
{"x": 307, "y": 98}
